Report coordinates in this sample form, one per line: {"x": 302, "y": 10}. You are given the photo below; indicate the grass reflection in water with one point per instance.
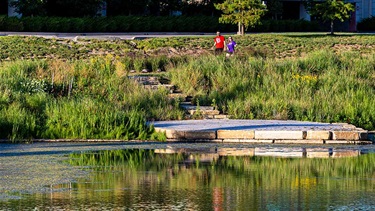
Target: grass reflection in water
{"x": 250, "y": 181}
{"x": 147, "y": 160}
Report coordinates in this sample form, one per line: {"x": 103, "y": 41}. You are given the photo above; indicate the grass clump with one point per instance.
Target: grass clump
{"x": 322, "y": 86}
{"x": 77, "y": 100}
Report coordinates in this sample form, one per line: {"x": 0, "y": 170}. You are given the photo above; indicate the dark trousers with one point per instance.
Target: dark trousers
{"x": 219, "y": 51}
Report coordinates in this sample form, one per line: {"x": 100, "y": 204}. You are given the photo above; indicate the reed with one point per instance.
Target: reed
{"x": 77, "y": 100}
{"x": 323, "y": 86}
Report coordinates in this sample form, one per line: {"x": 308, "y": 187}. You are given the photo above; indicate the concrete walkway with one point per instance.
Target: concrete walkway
{"x": 263, "y": 131}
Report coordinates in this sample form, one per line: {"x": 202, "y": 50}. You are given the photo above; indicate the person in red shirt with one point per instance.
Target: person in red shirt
{"x": 219, "y": 43}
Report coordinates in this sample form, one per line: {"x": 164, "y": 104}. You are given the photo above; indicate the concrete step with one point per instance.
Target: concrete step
{"x": 160, "y": 86}
{"x": 145, "y": 79}
{"x": 203, "y": 110}
{"x": 176, "y": 96}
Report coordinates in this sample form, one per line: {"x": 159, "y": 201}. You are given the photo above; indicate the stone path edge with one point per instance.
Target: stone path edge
{"x": 256, "y": 131}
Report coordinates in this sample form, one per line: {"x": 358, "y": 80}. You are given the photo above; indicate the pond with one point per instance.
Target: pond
{"x": 211, "y": 177}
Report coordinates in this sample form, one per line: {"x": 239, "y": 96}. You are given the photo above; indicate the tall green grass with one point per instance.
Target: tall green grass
{"x": 88, "y": 99}
{"x": 323, "y": 86}
{"x": 280, "y": 76}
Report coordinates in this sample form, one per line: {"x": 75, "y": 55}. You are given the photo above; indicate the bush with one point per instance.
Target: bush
{"x": 146, "y": 24}
{"x": 2, "y": 22}
{"x": 13, "y": 24}
{"x": 78, "y": 24}
{"x": 33, "y": 24}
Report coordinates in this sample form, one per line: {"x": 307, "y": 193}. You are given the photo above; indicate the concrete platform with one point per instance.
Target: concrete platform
{"x": 263, "y": 131}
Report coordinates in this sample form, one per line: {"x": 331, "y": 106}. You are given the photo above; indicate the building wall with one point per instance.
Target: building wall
{"x": 12, "y": 12}
{"x": 303, "y": 13}
{"x": 364, "y": 9}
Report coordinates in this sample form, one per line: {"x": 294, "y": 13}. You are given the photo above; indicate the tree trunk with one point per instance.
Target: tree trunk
{"x": 331, "y": 27}
{"x": 241, "y": 29}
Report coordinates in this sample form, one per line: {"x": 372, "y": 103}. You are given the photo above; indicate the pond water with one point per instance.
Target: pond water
{"x": 196, "y": 179}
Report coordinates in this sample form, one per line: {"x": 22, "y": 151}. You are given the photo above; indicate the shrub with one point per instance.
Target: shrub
{"x": 14, "y": 24}
{"x": 145, "y": 24}
{"x": 33, "y": 24}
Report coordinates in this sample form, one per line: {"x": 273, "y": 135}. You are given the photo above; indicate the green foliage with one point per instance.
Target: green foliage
{"x": 306, "y": 76}
{"x": 244, "y": 12}
{"x": 77, "y": 100}
{"x": 330, "y": 10}
{"x": 29, "y": 7}
{"x": 323, "y": 86}
{"x": 144, "y": 24}
{"x": 13, "y": 24}
{"x": 68, "y": 8}
{"x": 89, "y": 119}
{"x": 17, "y": 123}
{"x": 274, "y": 9}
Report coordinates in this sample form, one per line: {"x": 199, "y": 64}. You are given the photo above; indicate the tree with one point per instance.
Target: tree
{"x": 245, "y": 13}
{"x": 330, "y": 10}
{"x": 163, "y": 7}
{"x": 29, "y": 7}
{"x": 199, "y": 7}
{"x": 77, "y": 8}
{"x": 126, "y": 7}
{"x": 274, "y": 8}
{"x": 64, "y": 8}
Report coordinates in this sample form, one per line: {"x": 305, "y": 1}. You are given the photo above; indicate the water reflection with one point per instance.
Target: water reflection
{"x": 215, "y": 179}
{"x": 313, "y": 152}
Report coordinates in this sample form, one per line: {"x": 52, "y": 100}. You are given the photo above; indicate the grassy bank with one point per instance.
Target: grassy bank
{"x": 322, "y": 86}
{"x": 53, "y": 88}
{"x": 77, "y": 99}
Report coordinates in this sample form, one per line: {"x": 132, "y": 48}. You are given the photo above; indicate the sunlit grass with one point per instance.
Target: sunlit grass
{"x": 299, "y": 76}
{"x": 323, "y": 86}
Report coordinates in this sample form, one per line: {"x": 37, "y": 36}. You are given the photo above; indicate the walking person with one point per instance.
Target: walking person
{"x": 231, "y": 47}
{"x": 219, "y": 43}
